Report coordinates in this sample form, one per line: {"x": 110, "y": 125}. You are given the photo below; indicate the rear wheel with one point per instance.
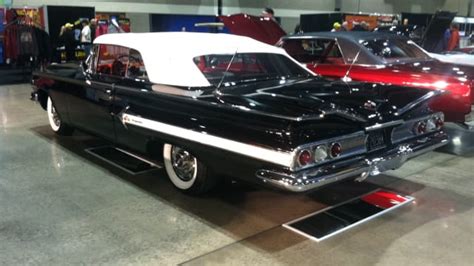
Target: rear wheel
{"x": 186, "y": 172}
{"x": 57, "y": 125}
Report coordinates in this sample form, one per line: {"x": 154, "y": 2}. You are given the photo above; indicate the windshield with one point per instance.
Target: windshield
{"x": 395, "y": 50}
{"x": 247, "y": 67}
{"x": 312, "y": 51}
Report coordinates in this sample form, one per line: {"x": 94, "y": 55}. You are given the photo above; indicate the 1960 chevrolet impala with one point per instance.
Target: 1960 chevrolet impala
{"x": 213, "y": 105}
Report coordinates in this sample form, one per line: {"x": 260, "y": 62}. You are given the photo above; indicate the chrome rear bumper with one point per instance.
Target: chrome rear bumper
{"x": 358, "y": 167}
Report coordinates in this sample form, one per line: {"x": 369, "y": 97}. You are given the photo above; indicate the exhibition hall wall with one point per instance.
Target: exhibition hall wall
{"x": 289, "y": 16}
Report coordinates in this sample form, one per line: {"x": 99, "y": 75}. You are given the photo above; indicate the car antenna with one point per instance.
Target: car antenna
{"x": 227, "y": 69}
{"x": 346, "y": 76}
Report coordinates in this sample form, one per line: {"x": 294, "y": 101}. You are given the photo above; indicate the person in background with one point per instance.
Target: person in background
{"x": 445, "y": 41}
{"x": 268, "y": 12}
{"x": 93, "y": 27}
{"x": 86, "y": 39}
{"x": 336, "y": 27}
{"x": 66, "y": 38}
{"x": 362, "y": 26}
{"x": 453, "y": 42}
{"x": 345, "y": 26}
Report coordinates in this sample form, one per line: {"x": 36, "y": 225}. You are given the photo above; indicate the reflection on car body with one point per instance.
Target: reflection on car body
{"x": 390, "y": 59}
{"x": 233, "y": 106}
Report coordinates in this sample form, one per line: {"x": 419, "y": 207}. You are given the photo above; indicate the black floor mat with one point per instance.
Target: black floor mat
{"x": 122, "y": 160}
{"x": 331, "y": 221}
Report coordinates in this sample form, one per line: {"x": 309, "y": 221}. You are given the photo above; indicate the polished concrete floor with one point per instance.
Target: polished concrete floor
{"x": 59, "y": 205}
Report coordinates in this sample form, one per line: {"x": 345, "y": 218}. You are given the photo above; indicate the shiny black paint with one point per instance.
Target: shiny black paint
{"x": 276, "y": 114}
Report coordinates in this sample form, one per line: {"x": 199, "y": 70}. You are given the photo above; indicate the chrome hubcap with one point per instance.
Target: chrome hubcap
{"x": 184, "y": 164}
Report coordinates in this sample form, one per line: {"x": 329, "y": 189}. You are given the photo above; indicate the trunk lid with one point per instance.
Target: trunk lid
{"x": 259, "y": 28}
{"x": 316, "y": 99}
{"x": 435, "y": 30}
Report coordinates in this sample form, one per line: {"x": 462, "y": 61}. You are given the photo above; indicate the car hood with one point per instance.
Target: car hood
{"x": 259, "y": 28}
{"x": 436, "y": 28}
{"x": 316, "y": 99}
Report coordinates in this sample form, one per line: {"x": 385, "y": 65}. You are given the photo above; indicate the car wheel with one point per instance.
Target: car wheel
{"x": 186, "y": 172}
{"x": 57, "y": 125}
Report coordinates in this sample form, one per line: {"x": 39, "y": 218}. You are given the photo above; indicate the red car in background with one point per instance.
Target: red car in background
{"x": 371, "y": 57}
{"x": 385, "y": 58}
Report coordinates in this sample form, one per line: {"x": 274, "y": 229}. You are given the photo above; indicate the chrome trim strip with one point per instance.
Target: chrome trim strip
{"x": 264, "y": 154}
{"x": 384, "y": 125}
{"x": 287, "y": 159}
{"x": 418, "y": 101}
{"x": 282, "y": 183}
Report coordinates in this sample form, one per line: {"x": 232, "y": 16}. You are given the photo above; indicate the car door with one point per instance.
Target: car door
{"x": 131, "y": 95}
{"x": 90, "y": 106}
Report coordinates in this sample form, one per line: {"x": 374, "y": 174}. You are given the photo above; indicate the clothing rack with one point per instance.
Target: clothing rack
{"x": 23, "y": 21}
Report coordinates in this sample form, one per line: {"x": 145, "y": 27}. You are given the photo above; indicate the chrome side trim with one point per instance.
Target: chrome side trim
{"x": 273, "y": 156}
{"x": 384, "y": 125}
{"x": 283, "y": 158}
{"x": 418, "y": 101}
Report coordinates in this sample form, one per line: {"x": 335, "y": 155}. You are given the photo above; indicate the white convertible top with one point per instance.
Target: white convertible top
{"x": 168, "y": 56}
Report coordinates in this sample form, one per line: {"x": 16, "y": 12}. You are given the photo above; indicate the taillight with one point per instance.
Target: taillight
{"x": 320, "y": 153}
{"x": 304, "y": 157}
{"x": 335, "y": 150}
{"x": 439, "y": 123}
{"x": 420, "y": 128}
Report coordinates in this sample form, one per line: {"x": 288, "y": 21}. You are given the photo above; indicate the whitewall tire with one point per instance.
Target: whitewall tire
{"x": 185, "y": 171}
{"x": 55, "y": 122}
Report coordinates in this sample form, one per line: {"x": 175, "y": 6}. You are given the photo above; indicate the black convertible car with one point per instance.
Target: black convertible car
{"x": 213, "y": 105}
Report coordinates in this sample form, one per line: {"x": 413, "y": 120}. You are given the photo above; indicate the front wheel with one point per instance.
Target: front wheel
{"x": 55, "y": 122}
{"x": 186, "y": 172}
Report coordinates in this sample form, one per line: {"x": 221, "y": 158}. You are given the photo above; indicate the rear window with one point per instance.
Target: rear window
{"x": 247, "y": 67}
{"x": 393, "y": 50}
{"x": 314, "y": 50}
